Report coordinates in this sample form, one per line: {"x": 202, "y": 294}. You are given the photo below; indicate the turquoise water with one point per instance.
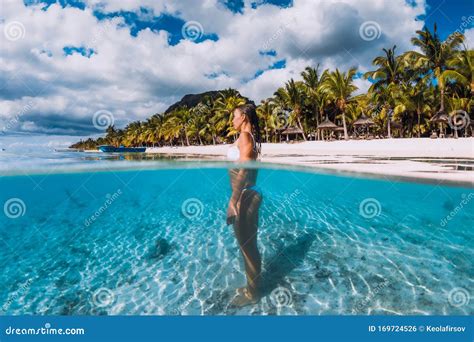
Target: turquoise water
{"x": 156, "y": 242}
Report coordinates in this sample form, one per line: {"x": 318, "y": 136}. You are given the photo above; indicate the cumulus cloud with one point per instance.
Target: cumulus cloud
{"x": 45, "y": 89}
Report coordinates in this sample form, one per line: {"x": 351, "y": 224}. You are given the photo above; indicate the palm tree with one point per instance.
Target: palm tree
{"x": 435, "y": 56}
{"x": 414, "y": 98}
{"x": 340, "y": 86}
{"x": 268, "y": 114}
{"x": 389, "y": 70}
{"x": 292, "y": 96}
{"x": 132, "y": 133}
{"x": 197, "y": 125}
{"x": 462, "y": 63}
{"x": 224, "y": 105}
{"x": 312, "y": 82}
{"x": 113, "y": 136}
{"x": 387, "y": 79}
{"x": 153, "y": 128}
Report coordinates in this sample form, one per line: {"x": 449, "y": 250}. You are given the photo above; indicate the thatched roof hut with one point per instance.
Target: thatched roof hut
{"x": 292, "y": 130}
{"x": 396, "y": 125}
{"x": 327, "y": 124}
{"x": 363, "y": 121}
{"x": 441, "y": 116}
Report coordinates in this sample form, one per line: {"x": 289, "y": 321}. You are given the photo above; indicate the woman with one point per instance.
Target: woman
{"x": 245, "y": 200}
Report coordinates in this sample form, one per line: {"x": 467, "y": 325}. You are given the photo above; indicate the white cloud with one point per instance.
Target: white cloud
{"x": 134, "y": 77}
{"x": 469, "y": 34}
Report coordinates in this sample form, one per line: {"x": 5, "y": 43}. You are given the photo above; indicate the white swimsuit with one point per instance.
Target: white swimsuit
{"x": 233, "y": 153}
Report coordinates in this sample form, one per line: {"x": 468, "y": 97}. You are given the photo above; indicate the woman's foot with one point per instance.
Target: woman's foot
{"x": 244, "y": 297}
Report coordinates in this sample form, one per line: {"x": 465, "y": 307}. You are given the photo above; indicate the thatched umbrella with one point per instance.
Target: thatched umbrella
{"x": 291, "y": 131}
{"x": 442, "y": 118}
{"x": 327, "y": 125}
{"x": 363, "y": 121}
{"x": 396, "y": 125}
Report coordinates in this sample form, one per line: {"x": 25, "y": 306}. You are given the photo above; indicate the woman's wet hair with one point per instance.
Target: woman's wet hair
{"x": 250, "y": 111}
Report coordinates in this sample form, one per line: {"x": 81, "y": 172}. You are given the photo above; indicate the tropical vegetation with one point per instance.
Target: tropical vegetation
{"x": 416, "y": 93}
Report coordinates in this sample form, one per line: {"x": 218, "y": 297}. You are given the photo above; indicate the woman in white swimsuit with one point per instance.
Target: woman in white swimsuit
{"x": 245, "y": 201}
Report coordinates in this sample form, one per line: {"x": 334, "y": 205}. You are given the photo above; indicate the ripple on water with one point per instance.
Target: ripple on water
{"x": 319, "y": 252}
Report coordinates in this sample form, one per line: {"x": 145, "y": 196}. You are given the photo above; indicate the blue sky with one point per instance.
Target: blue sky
{"x": 67, "y": 60}
{"x": 448, "y": 15}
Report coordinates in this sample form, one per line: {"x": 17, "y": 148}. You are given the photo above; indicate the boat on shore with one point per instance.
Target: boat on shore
{"x": 110, "y": 148}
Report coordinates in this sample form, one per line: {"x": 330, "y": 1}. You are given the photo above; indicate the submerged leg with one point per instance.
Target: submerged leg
{"x": 245, "y": 228}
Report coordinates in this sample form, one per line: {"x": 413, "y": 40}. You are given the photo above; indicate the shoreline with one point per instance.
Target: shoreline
{"x": 441, "y": 160}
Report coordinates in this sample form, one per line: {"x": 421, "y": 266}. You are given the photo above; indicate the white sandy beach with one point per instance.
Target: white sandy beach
{"x": 443, "y": 160}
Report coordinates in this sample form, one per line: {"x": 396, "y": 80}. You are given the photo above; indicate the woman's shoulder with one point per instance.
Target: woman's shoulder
{"x": 246, "y": 137}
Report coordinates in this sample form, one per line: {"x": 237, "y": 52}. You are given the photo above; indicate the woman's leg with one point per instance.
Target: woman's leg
{"x": 246, "y": 228}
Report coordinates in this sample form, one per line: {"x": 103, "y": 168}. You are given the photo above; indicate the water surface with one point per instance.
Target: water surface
{"x": 155, "y": 241}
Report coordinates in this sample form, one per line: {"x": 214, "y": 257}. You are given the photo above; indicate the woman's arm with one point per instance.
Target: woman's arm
{"x": 245, "y": 144}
